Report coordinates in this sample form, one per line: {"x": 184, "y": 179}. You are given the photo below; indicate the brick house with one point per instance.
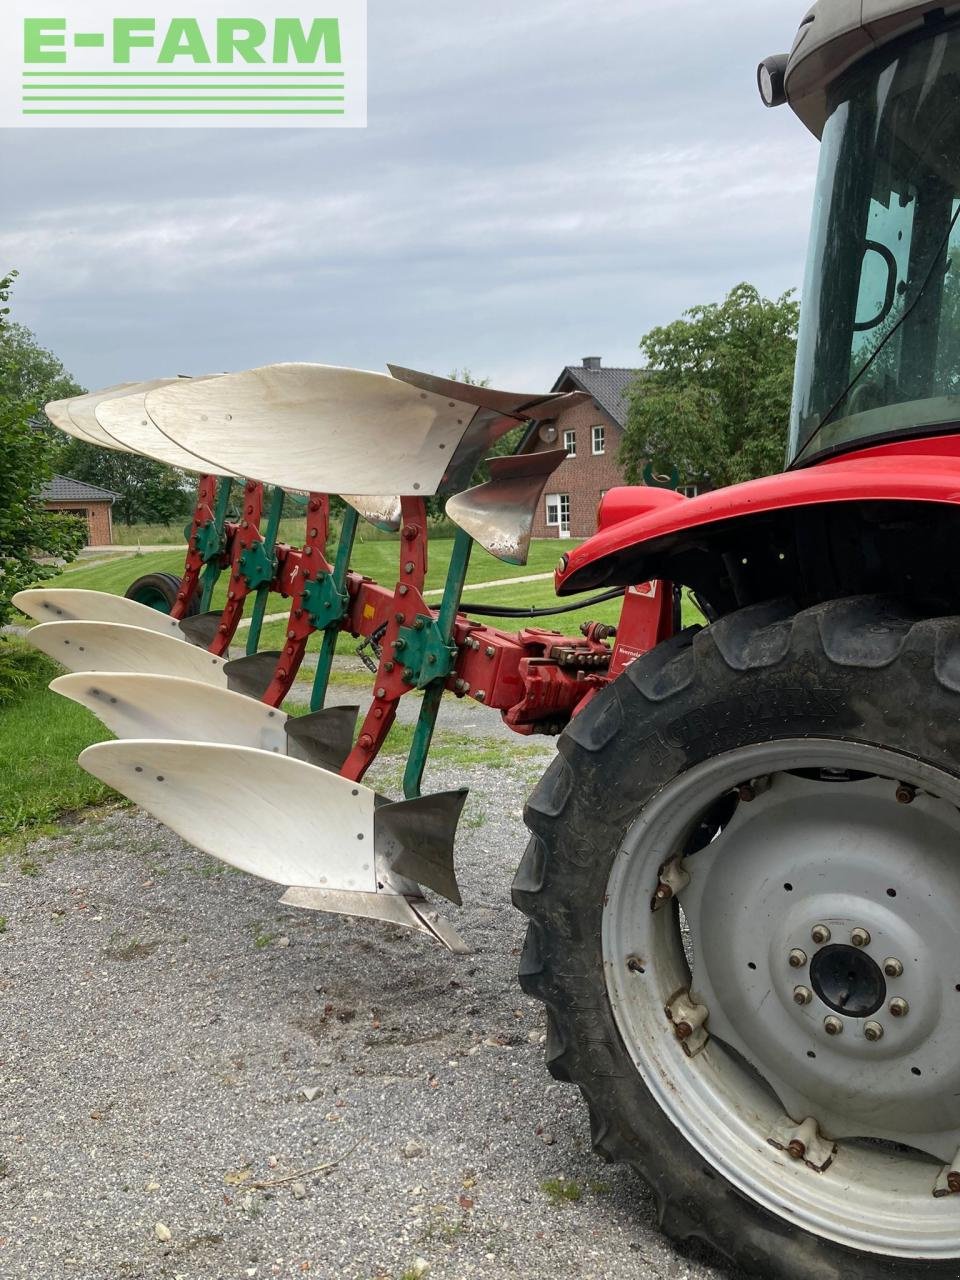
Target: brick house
{"x": 591, "y": 435}
{"x": 77, "y": 498}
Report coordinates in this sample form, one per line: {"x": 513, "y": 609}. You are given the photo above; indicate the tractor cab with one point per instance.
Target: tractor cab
{"x": 879, "y": 351}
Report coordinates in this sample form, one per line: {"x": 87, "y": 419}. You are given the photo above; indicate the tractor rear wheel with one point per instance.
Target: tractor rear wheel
{"x": 159, "y": 591}
{"x": 743, "y": 884}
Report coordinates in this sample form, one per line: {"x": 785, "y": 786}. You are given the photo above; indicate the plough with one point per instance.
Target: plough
{"x": 191, "y": 720}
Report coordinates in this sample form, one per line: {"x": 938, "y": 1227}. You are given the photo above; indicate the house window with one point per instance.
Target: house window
{"x": 570, "y": 443}
{"x": 558, "y": 513}
{"x": 599, "y": 439}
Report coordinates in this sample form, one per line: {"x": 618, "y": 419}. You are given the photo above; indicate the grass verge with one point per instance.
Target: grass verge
{"x": 41, "y": 736}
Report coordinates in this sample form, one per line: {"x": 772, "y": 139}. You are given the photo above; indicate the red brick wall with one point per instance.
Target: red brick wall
{"x": 584, "y": 477}
{"x": 98, "y": 517}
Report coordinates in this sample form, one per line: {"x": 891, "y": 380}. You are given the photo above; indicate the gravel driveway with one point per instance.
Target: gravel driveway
{"x": 198, "y": 1083}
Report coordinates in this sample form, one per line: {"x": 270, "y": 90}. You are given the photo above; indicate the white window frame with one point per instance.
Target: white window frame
{"x": 570, "y": 443}
{"x": 598, "y": 433}
{"x": 690, "y": 490}
{"x": 558, "y": 507}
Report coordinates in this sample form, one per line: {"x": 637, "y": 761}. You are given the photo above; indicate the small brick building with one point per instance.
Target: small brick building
{"x": 77, "y": 498}
{"x": 591, "y": 435}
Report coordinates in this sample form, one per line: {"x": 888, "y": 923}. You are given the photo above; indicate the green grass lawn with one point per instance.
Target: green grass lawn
{"x": 41, "y": 735}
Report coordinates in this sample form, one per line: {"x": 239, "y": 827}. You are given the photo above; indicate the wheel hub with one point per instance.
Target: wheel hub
{"x": 848, "y": 981}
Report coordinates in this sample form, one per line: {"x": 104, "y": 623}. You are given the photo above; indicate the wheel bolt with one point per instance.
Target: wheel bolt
{"x": 953, "y": 1183}
{"x": 796, "y": 1150}
{"x": 899, "y": 1008}
{"x": 820, "y": 934}
{"x": 664, "y": 893}
{"x": 833, "y": 1026}
{"x": 798, "y": 958}
{"x": 893, "y": 968}
{"x": 873, "y": 1032}
{"x": 906, "y": 794}
{"x": 860, "y": 937}
{"x": 683, "y": 1030}
{"x": 802, "y": 995}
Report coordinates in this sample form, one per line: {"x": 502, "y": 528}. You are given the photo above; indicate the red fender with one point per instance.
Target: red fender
{"x": 631, "y": 519}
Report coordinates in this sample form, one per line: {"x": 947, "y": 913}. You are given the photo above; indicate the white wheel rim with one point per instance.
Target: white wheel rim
{"x": 874, "y": 1197}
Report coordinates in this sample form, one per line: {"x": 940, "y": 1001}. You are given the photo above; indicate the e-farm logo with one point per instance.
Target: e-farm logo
{"x": 108, "y": 63}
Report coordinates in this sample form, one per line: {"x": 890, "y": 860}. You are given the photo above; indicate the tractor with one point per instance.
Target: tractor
{"x": 743, "y": 872}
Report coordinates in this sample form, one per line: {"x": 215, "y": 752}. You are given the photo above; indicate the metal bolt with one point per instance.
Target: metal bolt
{"x": 796, "y": 1150}
{"x": 820, "y": 934}
{"x": 408, "y": 567}
{"x": 746, "y": 792}
{"x": 635, "y": 964}
{"x": 664, "y": 893}
{"x": 480, "y": 696}
{"x": 366, "y": 742}
{"x": 409, "y": 532}
{"x": 683, "y": 1030}
{"x": 402, "y": 590}
{"x": 418, "y": 624}
{"x": 409, "y": 675}
{"x": 906, "y": 794}
{"x": 802, "y": 995}
{"x": 389, "y": 666}
{"x": 798, "y": 958}
{"x": 899, "y": 1007}
{"x": 893, "y": 968}
{"x": 399, "y": 644}
{"x": 833, "y": 1026}
{"x": 381, "y": 693}
{"x": 873, "y": 1032}
{"x": 953, "y": 1183}
{"x": 860, "y": 937}
{"x": 401, "y": 617}
{"x": 490, "y": 651}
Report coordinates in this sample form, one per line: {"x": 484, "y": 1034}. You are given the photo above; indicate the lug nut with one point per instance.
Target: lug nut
{"x": 802, "y": 995}
{"x": 893, "y": 968}
{"x": 873, "y": 1032}
{"x": 906, "y": 794}
{"x": 833, "y": 1026}
{"x": 953, "y": 1182}
{"x": 860, "y": 937}
{"x": 899, "y": 1008}
{"x": 683, "y": 1030}
{"x": 798, "y": 958}
{"x": 796, "y": 1149}
{"x": 820, "y": 934}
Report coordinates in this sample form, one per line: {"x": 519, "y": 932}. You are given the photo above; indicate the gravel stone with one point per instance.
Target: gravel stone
{"x": 154, "y": 1058}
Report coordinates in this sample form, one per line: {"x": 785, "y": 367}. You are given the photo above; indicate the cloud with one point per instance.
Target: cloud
{"x": 537, "y": 180}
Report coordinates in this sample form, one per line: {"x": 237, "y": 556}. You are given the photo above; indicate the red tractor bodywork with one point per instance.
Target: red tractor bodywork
{"x": 883, "y": 518}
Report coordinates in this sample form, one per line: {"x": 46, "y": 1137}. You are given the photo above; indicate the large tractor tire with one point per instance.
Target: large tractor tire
{"x": 159, "y": 591}
{"x": 743, "y": 884}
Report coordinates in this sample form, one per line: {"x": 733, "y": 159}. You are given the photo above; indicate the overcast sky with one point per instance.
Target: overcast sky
{"x": 540, "y": 180}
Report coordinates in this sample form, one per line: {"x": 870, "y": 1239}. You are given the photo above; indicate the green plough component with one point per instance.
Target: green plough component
{"x": 425, "y": 652}
{"x": 324, "y": 602}
{"x": 209, "y": 541}
{"x": 257, "y": 565}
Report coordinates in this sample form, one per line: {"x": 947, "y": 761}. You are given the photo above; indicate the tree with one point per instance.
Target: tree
{"x": 714, "y": 398}
{"x": 148, "y": 492}
{"x": 26, "y": 461}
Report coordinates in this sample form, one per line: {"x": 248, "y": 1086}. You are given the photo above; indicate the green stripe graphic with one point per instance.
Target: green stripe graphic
{"x": 227, "y": 97}
{"x": 140, "y": 111}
